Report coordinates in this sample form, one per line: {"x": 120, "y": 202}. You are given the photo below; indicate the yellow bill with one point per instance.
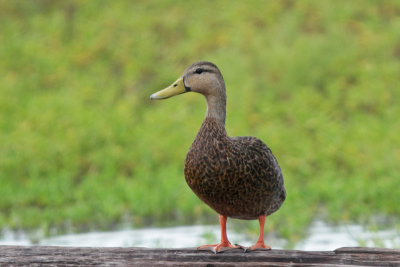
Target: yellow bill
{"x": 176, "y": 88}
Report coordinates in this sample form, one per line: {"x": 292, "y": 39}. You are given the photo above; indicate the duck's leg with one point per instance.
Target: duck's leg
{"x": 260, "y": 242}
{"x": 224, "y": 238}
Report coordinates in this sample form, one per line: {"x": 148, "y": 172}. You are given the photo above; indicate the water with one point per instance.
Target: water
{"x": 324, "y": 237}
{"x": 321, "y": 237}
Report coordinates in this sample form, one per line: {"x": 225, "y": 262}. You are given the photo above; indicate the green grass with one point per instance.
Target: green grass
{"x": 83, "y": 147}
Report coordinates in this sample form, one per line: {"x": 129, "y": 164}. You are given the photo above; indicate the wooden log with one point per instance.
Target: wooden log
{"x": 86, "y": 256}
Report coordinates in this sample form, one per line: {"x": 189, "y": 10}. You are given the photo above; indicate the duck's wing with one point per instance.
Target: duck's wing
{"x": 258, "y": 156}
{"x": 260, "y": 164}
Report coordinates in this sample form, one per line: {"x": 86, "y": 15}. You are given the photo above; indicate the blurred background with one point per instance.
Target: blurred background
{"x": 83, "y": 148}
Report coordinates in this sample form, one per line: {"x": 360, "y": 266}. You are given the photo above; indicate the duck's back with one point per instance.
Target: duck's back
{"x": 238, "y": 177}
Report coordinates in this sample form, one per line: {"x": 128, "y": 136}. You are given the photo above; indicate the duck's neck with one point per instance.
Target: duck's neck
{"x": 216, "y": 108}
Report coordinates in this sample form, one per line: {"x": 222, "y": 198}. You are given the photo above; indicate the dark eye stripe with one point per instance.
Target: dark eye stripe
{"x": 201, "y": 70}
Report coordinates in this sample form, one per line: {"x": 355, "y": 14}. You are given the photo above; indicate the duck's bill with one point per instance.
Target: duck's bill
{"x": 178, "y": 87}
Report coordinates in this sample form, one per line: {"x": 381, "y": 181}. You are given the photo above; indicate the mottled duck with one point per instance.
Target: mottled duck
{"x": 238, "y": 177}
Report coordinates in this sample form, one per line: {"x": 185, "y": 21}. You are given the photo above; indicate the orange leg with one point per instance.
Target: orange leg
{"x": 224, "y": 238}
{"x": 260, "y": 242}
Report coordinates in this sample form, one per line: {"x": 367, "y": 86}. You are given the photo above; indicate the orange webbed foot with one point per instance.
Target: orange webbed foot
{"x": 224, "y": 244}
{"x": 258, "y": 246}
{"x": 220, "y": 247}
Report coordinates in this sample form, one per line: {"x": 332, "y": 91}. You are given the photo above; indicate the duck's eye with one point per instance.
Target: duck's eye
{"x": 199, "y": 70}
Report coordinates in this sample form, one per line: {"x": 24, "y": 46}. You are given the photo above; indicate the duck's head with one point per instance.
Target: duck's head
{"x": 202, "y": 77}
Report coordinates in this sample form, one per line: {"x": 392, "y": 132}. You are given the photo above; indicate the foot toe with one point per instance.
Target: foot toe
{"x": 220, "y": 247}
{"x": 258, "y": 247}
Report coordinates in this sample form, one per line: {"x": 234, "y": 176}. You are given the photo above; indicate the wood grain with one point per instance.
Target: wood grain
{"x": 86, "y": 256}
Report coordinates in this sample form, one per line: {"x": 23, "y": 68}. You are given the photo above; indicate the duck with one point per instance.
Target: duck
{"x": 238, "y": 177}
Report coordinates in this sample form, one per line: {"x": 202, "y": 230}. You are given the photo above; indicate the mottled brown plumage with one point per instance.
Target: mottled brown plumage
{"x": 238, "y": 177}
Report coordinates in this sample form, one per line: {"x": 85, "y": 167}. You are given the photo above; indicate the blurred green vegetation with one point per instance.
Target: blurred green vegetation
{"x": 82, "y": 146}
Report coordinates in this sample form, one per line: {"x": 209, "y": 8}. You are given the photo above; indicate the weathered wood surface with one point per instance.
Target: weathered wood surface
{"x": 83, "y": 256}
